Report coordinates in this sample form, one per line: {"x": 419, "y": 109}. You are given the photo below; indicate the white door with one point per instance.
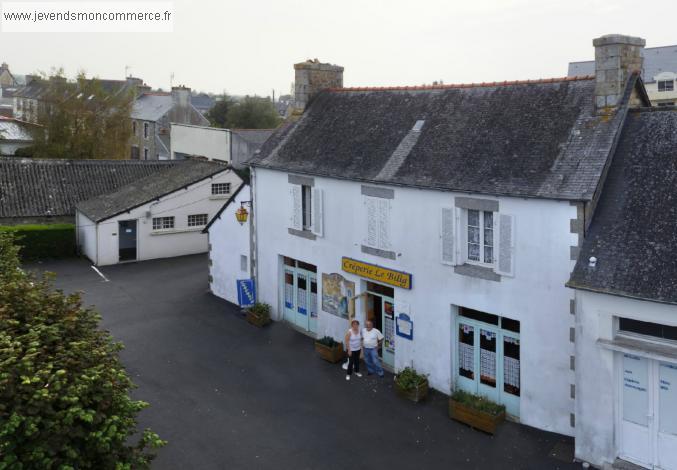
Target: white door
{"x": 648, "y": 429}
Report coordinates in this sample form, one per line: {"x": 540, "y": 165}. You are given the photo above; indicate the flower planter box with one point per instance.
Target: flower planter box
{"x": 481, "y": 420}
{"x": 257, "y": 319}
{"x": 330, "y": 354}
{"x": 415, "y": 394}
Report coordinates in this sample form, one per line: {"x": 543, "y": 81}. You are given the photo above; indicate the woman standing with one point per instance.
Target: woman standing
{"x": 354, "y": 348}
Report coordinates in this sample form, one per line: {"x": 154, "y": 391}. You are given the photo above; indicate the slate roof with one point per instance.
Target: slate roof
{"x": 656, "y": 60}
{"x": 633, "y": 233}
{"x": 151, "y": 107}
{"x": 38, "y": 188}
{"x": 529, "y": 139}
{"x": 142, "y": 191}
{"x": 255, "y": 136}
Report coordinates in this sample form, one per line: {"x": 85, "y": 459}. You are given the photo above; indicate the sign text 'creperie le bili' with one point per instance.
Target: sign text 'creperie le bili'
{"x": 376, "y": 273}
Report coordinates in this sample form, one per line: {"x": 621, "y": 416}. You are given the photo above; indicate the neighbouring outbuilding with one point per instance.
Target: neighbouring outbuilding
{"x": 162, "y": 215}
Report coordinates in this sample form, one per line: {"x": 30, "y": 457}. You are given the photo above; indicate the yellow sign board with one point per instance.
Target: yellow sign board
{"x": 376, "y": 273}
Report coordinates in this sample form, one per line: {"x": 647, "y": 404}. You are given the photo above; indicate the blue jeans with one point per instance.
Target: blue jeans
{"x": 372, "y": 361}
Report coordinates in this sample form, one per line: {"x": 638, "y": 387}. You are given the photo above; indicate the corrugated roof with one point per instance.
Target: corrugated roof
{"x": 633, "y": 233}
{"x": 529, "y": 139}
{"x": 150, "y": 188}
{"x": 38, "y": 188}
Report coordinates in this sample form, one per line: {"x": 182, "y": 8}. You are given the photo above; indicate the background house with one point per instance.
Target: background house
{"x": 210, "y": 143}
{"x": 159, "y": 216}
{"x": 14, "y": 134}
{"x": 151, "y": 118}
{"x": 202, "y": 102}
{"x": 659, "y": 72}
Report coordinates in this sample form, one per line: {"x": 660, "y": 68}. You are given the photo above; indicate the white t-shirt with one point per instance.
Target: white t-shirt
{"x": 371, "y": 338}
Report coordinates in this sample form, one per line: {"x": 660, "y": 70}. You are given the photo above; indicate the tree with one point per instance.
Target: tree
{"x": 253, "y": 112}
{"x": 64, "y": 395}
{"x": 218, "y": 115}
{"x": 81, "y": 119}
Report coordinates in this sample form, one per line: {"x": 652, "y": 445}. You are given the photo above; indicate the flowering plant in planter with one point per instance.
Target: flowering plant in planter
{"x": 476, "y": 411}
{"x": 329, "y": 349}
{"x": 259, "y": 314}
{"x": 411, "y": 385}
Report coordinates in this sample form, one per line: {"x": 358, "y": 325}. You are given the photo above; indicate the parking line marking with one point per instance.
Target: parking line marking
{"x": 105, "y": 279}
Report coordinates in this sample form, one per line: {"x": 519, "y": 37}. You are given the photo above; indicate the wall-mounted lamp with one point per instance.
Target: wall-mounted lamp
{"x": 242, "y": 213}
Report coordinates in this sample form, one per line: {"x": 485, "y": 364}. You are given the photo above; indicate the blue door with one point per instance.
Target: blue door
{"x": 299, "y": 286}
{"x": 487, "y": 362}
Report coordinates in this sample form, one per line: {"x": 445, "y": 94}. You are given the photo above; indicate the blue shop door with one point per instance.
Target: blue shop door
{"x": 289, "y": 297}
{"x": 465, "y": 358}
{"x": 511, "y": 390}
{"x": 301, "y": 316}
{"x": 312, "y": 321}
{"x": 487, "y": 363}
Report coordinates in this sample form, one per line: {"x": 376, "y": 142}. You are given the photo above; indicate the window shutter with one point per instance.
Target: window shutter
{"x": 447, "y": 235}
{"x": 506, "y": 245}
{"x": 371, "y": 214}
{"x": 384, "y": 224}
{"x": 295, "y": 217}
{"x": 317, "y": 207}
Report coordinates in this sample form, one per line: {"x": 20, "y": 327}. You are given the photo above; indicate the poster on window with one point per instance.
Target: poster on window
{"x": 336, "y": 294}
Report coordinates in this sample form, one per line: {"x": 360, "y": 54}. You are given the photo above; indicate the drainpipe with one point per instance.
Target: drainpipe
{"x": 253, "y": 245}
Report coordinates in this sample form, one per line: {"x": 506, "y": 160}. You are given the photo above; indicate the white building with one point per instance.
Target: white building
{"x": 452, "y": 214}
{"x": 160, "y": 216}
{"x": 626, "y": 305}
{"x": 230, "y": 246}
{"x": 210, "y": 143}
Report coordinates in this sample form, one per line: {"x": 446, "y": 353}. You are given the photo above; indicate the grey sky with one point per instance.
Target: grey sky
{"x": 249, "y": 46}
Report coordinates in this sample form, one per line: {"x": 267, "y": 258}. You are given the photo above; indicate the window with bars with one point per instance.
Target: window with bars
{"x": 666, "y": 85}
{"x": 163, "y": 223}
{"x": 480, "y": 236}
{"x": 220, "y": 189}
{"x": 197, "y": 220}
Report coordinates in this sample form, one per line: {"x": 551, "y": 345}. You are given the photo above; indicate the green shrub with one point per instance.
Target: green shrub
{"x": 260, "y": 309}
{"x": 477, "y": 402}
{"x": 328, "y": 341}
{"x": 43, "y": 241}
{"x": 409, "y": 379}
{"x": 64, "y": 395}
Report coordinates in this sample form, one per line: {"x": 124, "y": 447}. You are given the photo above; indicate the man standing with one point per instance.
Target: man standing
{"x": 372, "y": 339}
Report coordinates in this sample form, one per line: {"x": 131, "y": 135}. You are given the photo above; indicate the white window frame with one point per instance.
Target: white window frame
{"x": 306, "y": 209}
{"x": 163, "y": 223}
{"x": 220, "y": 189}
{"x": 668, "y": 85}
{"x": 197, "y": 220}
{"x": 482, "y": 245}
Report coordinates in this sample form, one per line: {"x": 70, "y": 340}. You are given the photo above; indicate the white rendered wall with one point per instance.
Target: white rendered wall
{"x": 229, "y": 241}
{"x": 182, "y": 240}
{"x": 596, "y": 378}
{"x": 536, "y": 295}
{"x": 86, "y": 236}
{"x": 209, "y": 142}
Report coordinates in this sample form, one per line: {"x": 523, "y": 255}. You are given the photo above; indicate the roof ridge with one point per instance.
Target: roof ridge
{"x": 467, "y": 85}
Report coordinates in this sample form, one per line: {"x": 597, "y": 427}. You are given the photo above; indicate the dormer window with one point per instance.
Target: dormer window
{"x": 666, "y": 85}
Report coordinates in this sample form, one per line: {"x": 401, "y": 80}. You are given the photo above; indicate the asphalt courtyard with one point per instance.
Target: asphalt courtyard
{"x": 227, "y": 395}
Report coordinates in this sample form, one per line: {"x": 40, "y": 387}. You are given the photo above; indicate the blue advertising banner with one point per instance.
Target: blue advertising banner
{"x": 246, "y": 292}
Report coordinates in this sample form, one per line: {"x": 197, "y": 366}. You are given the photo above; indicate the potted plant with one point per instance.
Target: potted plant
{"x": 259, "y": 314}
{"x": 411, "y": 385}
{"x": 476, "y": 411}
{"x": 329, "y": 349}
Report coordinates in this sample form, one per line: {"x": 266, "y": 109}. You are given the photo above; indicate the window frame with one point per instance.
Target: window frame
{"x": 306, "y": 208}
{"x": 145, "y": 130}
{"x": 134, "y": 128}
{"x": 665, "y": 84}
{"x": 161, "y": 226}
{"x": 216, "y": 192}
{"x": 482, "y": 241}
{"x": 204, "y": 219}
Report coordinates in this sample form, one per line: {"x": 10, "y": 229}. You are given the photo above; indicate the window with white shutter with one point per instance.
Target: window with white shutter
{"x": 377, "y": 212}
{"x": 316, "y": 211}
{"x": 296, "y": 207}
{"x": 306, "y": 209}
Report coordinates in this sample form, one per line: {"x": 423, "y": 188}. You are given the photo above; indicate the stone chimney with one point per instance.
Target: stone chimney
{"x": 311, "y": 77}
{"x": 616, "y": 57}
{"x": 4, "y": 67}
{"x": 181, "y": 96}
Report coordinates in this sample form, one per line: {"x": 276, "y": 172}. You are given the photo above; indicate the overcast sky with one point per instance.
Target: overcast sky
{"x": 249, "y": 46}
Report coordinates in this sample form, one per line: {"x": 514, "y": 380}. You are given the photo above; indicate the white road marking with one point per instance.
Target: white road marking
{"x": 105, "y": 279}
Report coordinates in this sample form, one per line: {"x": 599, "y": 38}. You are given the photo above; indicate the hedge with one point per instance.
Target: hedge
{"x": 44, "y": 241}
